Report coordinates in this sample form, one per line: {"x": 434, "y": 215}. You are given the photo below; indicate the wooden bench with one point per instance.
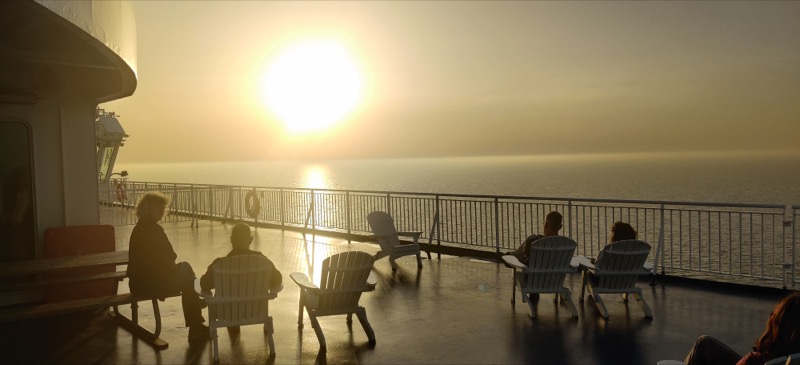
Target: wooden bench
{"x": 19, "y": 312}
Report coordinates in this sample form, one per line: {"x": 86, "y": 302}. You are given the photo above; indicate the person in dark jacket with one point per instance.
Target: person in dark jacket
{"x": 552, "y": 224}
{"x": 781, "y": 337}
{"x": 240, "y": 240}
{"x": 152, "y": 269}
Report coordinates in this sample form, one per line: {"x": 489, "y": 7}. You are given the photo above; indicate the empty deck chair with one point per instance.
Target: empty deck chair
{"x": 549, "y": 264}
{"x": 384, "y": 231}
{"x": 343, "y": 278}
{"x": 617, "y": 270}
{"x": 241, "y": 296}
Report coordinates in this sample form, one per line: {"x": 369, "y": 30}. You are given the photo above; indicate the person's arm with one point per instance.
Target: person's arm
{"x": 277, "y": 279}
{"x": 207, "y": 280}
{"x": 753, "y": 358}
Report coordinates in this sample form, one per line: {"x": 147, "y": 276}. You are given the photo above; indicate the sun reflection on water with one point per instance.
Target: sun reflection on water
{"x": 316, "y": 177}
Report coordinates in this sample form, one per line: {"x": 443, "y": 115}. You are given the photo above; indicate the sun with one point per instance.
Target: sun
{"x": 312, "y": 85}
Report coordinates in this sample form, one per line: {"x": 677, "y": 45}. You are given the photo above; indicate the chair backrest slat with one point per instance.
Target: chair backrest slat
{"x": 549, "y": 262}
{"x": 238, "y": 280}
{"x": 621, "y": 264}
{"x": 382, "y": 224}
{"x": 342, "y": 272}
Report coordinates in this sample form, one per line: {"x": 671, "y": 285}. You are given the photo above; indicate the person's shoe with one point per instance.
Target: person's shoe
{"x": 198, "y": 332}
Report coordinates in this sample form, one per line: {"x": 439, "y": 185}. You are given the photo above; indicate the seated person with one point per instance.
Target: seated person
{"x": 240, "y": 240}
{"x": 152, "y": 269}
{"x": 781, "y": 338}
{"x": 552, "y": 224}
{"x": 620, "y": 231}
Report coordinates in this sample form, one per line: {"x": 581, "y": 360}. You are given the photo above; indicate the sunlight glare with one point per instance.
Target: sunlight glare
{"x": 311, "y": 86}
{"x": 315, "y": 177}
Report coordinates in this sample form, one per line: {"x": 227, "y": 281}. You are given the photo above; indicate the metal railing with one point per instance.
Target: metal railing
{"x": 742, "y": 243}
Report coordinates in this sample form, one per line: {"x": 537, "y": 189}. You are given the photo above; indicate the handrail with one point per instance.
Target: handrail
{"x": 750, "y": 243}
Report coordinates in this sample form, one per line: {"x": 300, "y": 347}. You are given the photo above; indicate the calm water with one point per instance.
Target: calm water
{"x": 772, "y": 178}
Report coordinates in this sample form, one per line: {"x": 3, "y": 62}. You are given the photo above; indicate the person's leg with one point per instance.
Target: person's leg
{"x": 709, "y": 350}
{"x": 192, "y": 313}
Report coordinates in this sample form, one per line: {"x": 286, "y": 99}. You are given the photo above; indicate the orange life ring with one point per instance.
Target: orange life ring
{"x": 122, "y": 195}
{"x": 252, "y": 204}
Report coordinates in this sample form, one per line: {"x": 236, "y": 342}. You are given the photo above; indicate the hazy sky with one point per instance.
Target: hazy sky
{"x": 471, "y": 78}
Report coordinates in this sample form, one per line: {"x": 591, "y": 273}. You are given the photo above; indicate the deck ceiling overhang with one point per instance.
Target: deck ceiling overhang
{"x": 45, "y": 55}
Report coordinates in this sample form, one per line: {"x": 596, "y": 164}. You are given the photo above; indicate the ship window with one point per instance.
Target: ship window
{"x": 17, "y": 231}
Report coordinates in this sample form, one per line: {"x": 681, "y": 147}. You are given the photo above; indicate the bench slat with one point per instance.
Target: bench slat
{"x": 21, "y": 268}
{"x": 48, "y": 309}
{"x": 64, "y": 280}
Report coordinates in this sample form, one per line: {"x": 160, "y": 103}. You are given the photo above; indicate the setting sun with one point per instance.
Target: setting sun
{"x": 311, "y": 86}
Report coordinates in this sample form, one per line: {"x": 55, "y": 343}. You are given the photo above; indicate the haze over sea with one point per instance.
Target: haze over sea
{"x": 731, "y": 177}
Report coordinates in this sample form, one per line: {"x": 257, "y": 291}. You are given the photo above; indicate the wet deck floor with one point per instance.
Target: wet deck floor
{"x": 455, "y": 310}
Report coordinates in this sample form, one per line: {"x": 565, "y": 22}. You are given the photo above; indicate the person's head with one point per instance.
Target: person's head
{"x": 240, "y": 236}
{"x": 622, "y": 231}
{"x": 152, "y": 206}
{"x": 552, "y": 223}
{"x": 782, "y": 335}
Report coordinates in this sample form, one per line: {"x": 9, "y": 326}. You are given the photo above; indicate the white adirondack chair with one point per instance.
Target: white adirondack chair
{"x": 241, "y": 296}
{"x": 549, "y": 264}
{"x": 387, "y": 236}
{"x": 344, "y": 277}
{"x": 616, "y": 271}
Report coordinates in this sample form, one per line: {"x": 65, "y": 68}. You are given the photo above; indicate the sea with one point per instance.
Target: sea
{"x": 729, "y": 177}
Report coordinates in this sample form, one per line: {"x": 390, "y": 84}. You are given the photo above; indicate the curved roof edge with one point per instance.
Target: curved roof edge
{"x": 113, "y": 24}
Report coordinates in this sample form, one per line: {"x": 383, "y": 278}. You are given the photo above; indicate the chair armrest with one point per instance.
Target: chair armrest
{"x": 302, "y": 281}
{"x": 409, "y": 234}
{"x": 513, "y": 261}
{"x": 648, "y": 266}
{"x": 582, "y": 263}
{"x": 372, "y": 281}
{"x": 276, "y": 290}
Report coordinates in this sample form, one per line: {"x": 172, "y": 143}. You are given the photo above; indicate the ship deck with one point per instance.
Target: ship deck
{"x": 455, "y": 310}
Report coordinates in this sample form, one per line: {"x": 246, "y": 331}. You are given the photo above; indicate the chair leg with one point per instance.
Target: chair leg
{"x": 532, "y": 307}
{"x": 362, "y": 317}
{"x": 419, "y": 260}
{"x": 349, "y": 319}
{"x": 215, "y": 344}
{"x": 269, "y": 330}
{"x": 642, "y": 303}
{"x": 568, "y": 299}
{"x": 583, "y": 285}
{"x": 300, "y": 312}
{"x": 394, "y": 264}
{"x": 317, "y": 330}
{"x": 599, "y": 303}
{"x": 514, "y": 287}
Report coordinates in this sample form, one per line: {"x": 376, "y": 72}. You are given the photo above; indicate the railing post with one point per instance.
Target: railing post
{"x": 794, "y": 247}
{"x": 313, "y": 211}
{"x": 659, "y": 250}
{"x": 789, "y": 220}
{"x": 569, "y": 219}
{"x": 389, "y": 203}
{"x": 497, "y": 225}
{"x": 438, "y": 230}
{"x": 348, "y": 213}
{"x": 283, "y": 218}
{"x": 193, "y": 199}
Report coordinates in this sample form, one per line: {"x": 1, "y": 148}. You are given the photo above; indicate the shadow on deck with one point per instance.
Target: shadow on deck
{"x": 455, "y": 310}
